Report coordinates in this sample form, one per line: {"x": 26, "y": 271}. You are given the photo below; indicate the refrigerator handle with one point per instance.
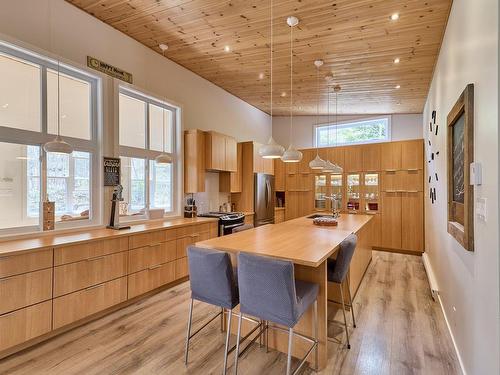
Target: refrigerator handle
{"x": 268, "y": 193}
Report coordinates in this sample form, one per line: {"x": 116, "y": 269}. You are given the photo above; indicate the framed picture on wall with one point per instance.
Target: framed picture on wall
{"x": 460, "y": 123}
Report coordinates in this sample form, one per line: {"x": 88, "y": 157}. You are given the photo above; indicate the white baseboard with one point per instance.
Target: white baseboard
{"x": 430, "y": 276}
{"x": 462, "y": 367}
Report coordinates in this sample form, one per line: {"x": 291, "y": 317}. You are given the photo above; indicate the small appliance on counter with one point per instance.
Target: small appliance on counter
{"x": 227, "y": 220}
{"x": 190, "y": 209}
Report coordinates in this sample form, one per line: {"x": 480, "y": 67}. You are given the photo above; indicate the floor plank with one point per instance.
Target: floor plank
{"x": 400, "y": 330}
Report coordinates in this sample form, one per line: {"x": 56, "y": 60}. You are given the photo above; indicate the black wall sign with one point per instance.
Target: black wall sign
{"x": 111, "y": 171}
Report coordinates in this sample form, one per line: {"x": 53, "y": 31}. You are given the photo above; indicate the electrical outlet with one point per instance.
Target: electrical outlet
{"x": 481, "y": 211}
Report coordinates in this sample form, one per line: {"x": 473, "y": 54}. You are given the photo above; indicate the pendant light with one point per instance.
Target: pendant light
{"x": 291, "y": 155}
{"x": 271, "y": 150}
{"x": 329, "y": 166}
{"x": 58, "y": 145}
{"x": 317, "y": 163}
{"x": 163, "y": 158}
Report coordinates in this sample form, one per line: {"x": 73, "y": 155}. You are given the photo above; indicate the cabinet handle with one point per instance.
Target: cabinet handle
{"x": 96, "y": 258}
{"x": 154, "y": 244}
{"x": 154, "y": 267}
{"x": 94, "y": 286}
{"x": 412, "y": 191}
{"x": 391, "y": 170}
{"x": 412, "y": 169}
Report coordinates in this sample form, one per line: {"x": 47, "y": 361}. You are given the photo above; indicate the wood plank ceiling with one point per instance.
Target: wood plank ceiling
{"x": 356, "y": 39}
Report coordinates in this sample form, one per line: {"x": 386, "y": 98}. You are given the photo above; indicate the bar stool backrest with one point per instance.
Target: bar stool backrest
{"x": 267, "y": 289}
{"x": 344, "y": 258}
{"x": 211, "y": 277}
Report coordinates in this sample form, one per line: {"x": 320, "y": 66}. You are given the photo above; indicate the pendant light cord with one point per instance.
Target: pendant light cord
{"x": 317, "y": 106}
{"x": 291, "y": 83}
{"x": 271, "y": 73}
{"x": 58, "y": 101}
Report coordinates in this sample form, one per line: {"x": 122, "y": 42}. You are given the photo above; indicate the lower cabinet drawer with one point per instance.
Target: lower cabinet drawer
{"x": 75, "y": 306}
{"x": 25, "y": 324}
{"x": 16, "y": 264}
{"x": 181, "y": 268}
{"x": 24, "y": 290}
{"x": 149, "y": 256}
{"x": 151, "y": 278}
{"x": 75, "y": 276}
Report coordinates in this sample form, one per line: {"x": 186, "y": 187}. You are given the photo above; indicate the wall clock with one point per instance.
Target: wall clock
{"x": 433, "y": 153}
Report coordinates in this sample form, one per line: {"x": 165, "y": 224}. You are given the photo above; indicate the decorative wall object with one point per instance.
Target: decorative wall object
{"x": 109, "y": 69}
{"x": 460, "y": 154}
{"x": 111, "y": 171}
{"x": 433, "y": 175}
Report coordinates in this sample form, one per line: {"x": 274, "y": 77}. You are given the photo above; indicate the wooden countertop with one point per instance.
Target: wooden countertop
{"x": 12, "y": 247}
{"x": 298, "y": 240}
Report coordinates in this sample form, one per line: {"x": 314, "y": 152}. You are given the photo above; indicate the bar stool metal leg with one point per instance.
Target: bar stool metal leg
{"x": 290, "y": 345}
{"x": 343, "y": 312}
{"x": 267, "y": 336}
{"x": 227, "y": 340}
{"x": 188, "y": 334}
{"x": 351, "y": 304}
{"x": 237, "y": 354}
{"x": 222, "y": 319}
{"x": 315, "y": 330}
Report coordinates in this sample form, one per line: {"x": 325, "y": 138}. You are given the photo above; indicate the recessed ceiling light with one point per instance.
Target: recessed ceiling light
{"x": 396, "y": 60}
{"x": 395, "y": 16}
{"x": 5, "y": 105}
{"x": 227, "y": 48}
{"x": 261, "y": 75}
{"x": 397, "y": 86}
{"x": 163, "y": 47}
{"x": 283, "y": 94}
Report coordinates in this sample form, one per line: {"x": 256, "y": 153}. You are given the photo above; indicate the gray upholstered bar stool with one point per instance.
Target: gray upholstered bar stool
{"x": 212, "y": 281}
{"x": 268, "y": 291}
{"x": 337, "y": 273}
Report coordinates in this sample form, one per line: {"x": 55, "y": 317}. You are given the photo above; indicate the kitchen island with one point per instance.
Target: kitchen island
{"x": 308, "y": 246}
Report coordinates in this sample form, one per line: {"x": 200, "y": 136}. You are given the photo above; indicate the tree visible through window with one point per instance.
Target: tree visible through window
{"x": 375, "y": 130}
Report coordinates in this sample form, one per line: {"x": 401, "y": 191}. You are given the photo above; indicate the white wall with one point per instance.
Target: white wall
{"x": 404, "y": 126}
{"x": 468, "y": 281}
{"x": 74, "y": 34}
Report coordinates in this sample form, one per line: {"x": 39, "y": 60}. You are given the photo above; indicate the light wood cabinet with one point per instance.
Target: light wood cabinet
{"x": 261, "y": 165}
{"x": 303, "y": 165}
{"x": 149, "y": 256}
{"x": 25, "y": 324}
{"x": 181, "y": 268}
{"x": 147, "y": 239}
{"x": 391, "y": 220}
{"x": 371, "y": 157}
{"x": 231, "y": 182}
{"x": 194, "y": 161}
{"x": 25, "y": 289}
{"x": 390, "y": 156}
{"x": 75, "y": 306}
{"x": 336, "y": 155}
{"x": 353, "y": 159}
{"x": 412, "y": 224}
{"x": 279, "y": 216}
{"x": 220, "y": 152}
{"x": 16, "y": 264}
{"x": 412, "y": 154}
{"x": 74, "y": 276}
{"x": 151, "y": 278}
{"x": 75, "y": 253}
{"x": 279, "y": 175}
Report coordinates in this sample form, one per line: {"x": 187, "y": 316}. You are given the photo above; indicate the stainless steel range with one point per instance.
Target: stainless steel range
{"x": 227, "y": 220}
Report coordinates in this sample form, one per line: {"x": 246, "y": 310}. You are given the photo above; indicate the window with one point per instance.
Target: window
{"x": 365, "y": 131}
{"x": 28, "y": 119}
{"x": 147, "y": 128}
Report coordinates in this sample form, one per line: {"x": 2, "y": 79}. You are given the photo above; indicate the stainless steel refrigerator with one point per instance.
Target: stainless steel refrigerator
{"x": 263, "y": 199}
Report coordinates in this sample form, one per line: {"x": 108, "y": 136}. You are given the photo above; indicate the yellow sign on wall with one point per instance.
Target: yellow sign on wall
{"x": 108, "y": 69}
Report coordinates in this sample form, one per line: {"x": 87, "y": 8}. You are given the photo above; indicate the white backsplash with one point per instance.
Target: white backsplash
{"x": 211, "y": 198}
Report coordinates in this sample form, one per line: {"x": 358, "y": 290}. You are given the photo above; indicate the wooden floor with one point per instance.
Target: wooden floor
{"x": 400, "y": 330}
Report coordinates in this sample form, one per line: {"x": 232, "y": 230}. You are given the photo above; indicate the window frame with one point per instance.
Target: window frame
{"x": 39, "y": 138}
{"x": 148, "y": 154}
{"x": 351, "y": 123}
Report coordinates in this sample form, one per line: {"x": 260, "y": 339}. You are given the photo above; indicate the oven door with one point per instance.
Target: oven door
{"x": 228, "y": 229}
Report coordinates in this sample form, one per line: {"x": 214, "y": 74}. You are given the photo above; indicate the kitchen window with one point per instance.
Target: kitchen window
{"x": 147, "y": 128}
{"x": 349, "y": 133}
{"x": 28, "y": 119}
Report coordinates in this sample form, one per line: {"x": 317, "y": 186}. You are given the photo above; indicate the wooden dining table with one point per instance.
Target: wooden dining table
{"x": 308, "y": 246}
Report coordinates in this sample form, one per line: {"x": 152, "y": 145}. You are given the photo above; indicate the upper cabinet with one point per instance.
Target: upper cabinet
{"x": 220, "y": 152}
{"x": 194, "y": 161}
{"x": 231, "y": 182}
{"x": 261, "y": 165}
{"x": 412, "y": 154}
{"x": 353, "y": 159}
{"x": 391, "y": 156}
{"x": 279, "y": 175}
{"x": 371, "y": 157}
{"x": 335, "y": 155}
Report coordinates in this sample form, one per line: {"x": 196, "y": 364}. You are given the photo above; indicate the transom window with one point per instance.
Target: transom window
{"x": 365, "y": 131}
{"x": 28, "y": 119}
{"x": 147, "y": 128}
